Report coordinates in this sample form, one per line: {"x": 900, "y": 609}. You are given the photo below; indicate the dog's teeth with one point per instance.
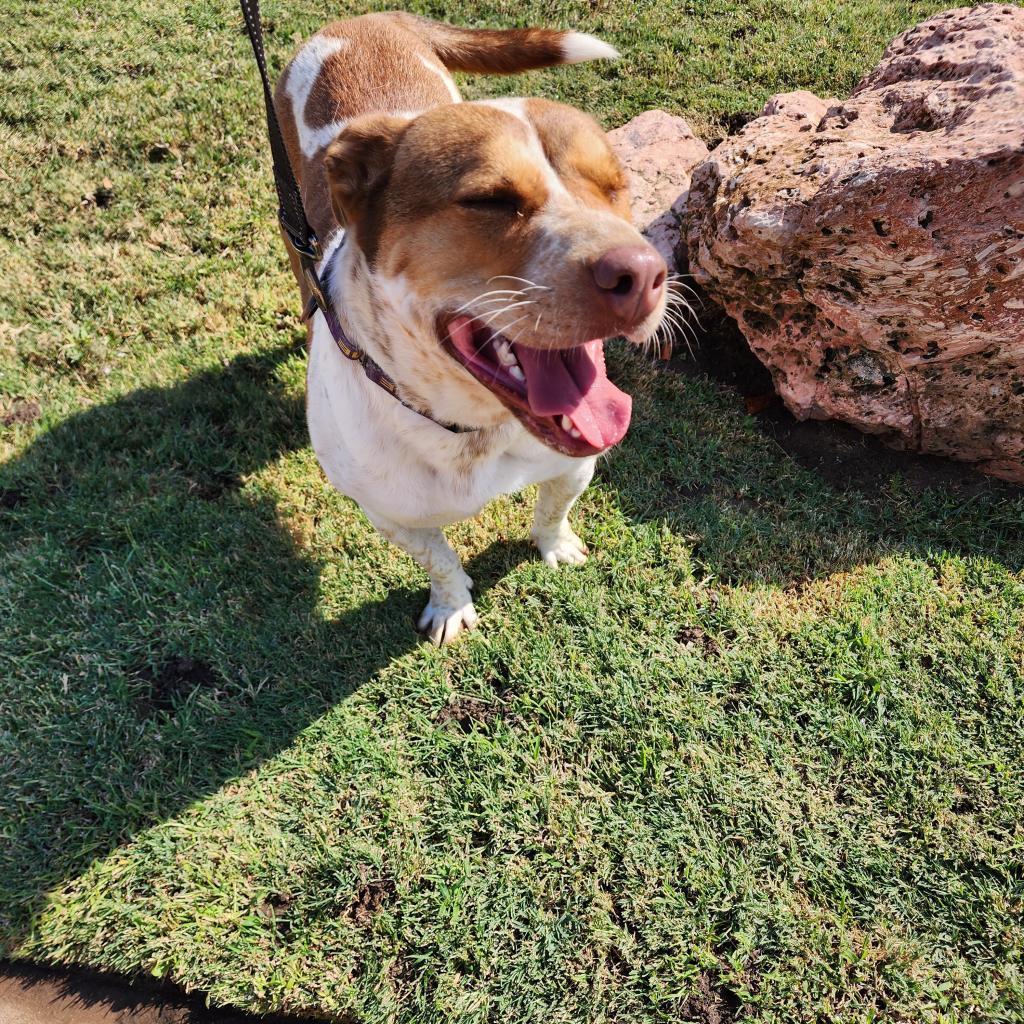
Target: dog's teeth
{"x": 505, "y": 354}
{"x": 575, "y": 433}
{"x": 516, "y": 372}
{"x": 566, "y": 423}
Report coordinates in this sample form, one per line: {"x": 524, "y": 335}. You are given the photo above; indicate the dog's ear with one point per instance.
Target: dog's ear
{"x": 358, "y": 164}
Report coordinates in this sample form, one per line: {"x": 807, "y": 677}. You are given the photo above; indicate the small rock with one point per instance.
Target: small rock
{"x": 658, "y": 151}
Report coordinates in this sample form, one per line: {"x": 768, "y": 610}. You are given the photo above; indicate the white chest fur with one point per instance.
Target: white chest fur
{"x": 398, "y": 464}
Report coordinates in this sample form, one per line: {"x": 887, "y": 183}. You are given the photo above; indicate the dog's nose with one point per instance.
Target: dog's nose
{"x": 630, "y": 281}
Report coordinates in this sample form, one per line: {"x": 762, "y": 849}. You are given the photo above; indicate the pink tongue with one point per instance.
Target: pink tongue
{"x": 573, "y": 382}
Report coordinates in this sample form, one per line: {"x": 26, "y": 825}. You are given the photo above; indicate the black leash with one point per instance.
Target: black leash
{"x": 292, "y": 215}
{"x": 290, "y": 210}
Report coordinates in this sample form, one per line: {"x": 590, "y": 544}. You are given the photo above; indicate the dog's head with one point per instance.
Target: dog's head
{"x": 498, "y": 255}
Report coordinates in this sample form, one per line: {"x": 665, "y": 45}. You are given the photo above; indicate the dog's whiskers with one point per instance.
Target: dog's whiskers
{"x": 674, "y": 296}
{"x": 483, "y": 296}
{"x": 679, "y": 281}
{"x": 530, "y": 285}
{"x": 500, "y": 330}
{"x": 494, "y": 314}
{"x": 507, "y": 327}
{"x": 673, "y": 325}
{"x": 515, "y": 339}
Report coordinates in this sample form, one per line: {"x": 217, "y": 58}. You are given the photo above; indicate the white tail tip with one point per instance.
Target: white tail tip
{"x": 578, "y": 46}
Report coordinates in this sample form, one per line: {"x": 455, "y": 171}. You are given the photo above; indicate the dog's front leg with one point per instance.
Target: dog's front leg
{"x": 450, "y": 608}
{"x": 554, "y": 537}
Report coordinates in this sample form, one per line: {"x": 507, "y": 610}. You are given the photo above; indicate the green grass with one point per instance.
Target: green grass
{"x": 760, "y": 759}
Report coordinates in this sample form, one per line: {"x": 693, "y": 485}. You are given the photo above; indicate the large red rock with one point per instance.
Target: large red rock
{"x": 872, "y": 250}
{"x": 658, "y": 151}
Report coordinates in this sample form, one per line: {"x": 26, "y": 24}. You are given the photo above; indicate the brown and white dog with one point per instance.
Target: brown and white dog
{"x": 488, "y": 254}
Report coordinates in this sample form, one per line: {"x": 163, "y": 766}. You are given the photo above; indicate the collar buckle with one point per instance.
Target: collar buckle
{"x": 310, "y": 249}
{"x": 316, "y": 291}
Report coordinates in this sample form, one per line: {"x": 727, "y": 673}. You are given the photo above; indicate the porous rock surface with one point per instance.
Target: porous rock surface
{"x": 658, "y": 151}
{"x": 872, "y": 250}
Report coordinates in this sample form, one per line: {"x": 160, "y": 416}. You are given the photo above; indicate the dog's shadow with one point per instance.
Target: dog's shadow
{"x": 146, "y": 593}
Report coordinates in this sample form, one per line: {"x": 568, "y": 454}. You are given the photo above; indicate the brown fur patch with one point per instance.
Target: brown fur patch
{"x": 472, "y": 152}
{"x": 379, "y": 70}
{"x": 579, "y": 152}
{"x": 476, "y": 446}
{"x": 375, "y": 66}
{"x": 501, "y": 52}
{"x": 358, "y": 165}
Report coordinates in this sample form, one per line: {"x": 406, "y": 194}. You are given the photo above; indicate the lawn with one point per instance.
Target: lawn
{"x": 761, "y": 759}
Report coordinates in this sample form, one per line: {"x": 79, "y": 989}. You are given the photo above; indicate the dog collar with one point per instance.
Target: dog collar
{"x": 318, "y": 300}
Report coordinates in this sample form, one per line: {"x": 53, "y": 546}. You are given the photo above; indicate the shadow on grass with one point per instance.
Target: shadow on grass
{"x": 158, "y": 625}
{"x": 770, "y": 500}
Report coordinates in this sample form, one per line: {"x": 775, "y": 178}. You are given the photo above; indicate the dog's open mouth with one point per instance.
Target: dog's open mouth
{"x": 562, "y": 396}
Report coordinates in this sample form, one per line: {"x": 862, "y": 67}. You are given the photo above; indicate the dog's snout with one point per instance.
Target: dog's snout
{"x": 630, "y": 281}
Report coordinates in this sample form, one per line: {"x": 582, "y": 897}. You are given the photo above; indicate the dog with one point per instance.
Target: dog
{"x": 479, "y": 253}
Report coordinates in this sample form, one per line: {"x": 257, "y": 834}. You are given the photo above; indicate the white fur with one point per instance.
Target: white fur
{"x": 449, "y": 82}
{"x": 399, "y": 465}
{"x": 511, "y": 105}
{"x": 302, "y": 76}
{"x": 578, "y": 46}
{"x": 328, "y": 249}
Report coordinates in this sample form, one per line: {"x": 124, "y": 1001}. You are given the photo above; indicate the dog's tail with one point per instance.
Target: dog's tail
{"x": 507, "y": 51}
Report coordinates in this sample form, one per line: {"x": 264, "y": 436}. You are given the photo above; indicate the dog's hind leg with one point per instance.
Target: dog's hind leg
{"x": 450, "y": 608}
{"x": 555, "y": 538}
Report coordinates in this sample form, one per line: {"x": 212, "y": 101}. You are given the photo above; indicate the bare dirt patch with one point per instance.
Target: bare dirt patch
{"x": 370, "y": 898}
{"x": 39, "y": 995}
{"x": 695, "y": 638}
{"x": 21, "y": 410}
{"x": 173, "y": 681}
{"x": 710, "y": 1004}
{"x": 466, "y": 712}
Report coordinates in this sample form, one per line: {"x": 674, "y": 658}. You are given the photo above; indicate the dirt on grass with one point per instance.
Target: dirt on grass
{"x": 371, "y": 897}
{"x": 21, "y": 410}
{"x": 710, "y": 1004}
{"x": 38, "y": 995}
{"x": 168, "y": 684}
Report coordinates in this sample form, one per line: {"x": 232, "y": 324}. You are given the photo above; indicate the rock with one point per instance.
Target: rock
{"x": 658, "y": 151}
{"x": 799, "y": 104}
{"x": 872, "y": 250}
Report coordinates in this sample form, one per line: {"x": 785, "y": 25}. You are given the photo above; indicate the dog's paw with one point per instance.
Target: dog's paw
{"x": 563, "y": 546}
{"x": 444, "y": 619}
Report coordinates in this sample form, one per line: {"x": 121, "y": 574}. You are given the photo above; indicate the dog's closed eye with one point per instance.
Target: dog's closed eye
{"x": 501, "y": 201}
